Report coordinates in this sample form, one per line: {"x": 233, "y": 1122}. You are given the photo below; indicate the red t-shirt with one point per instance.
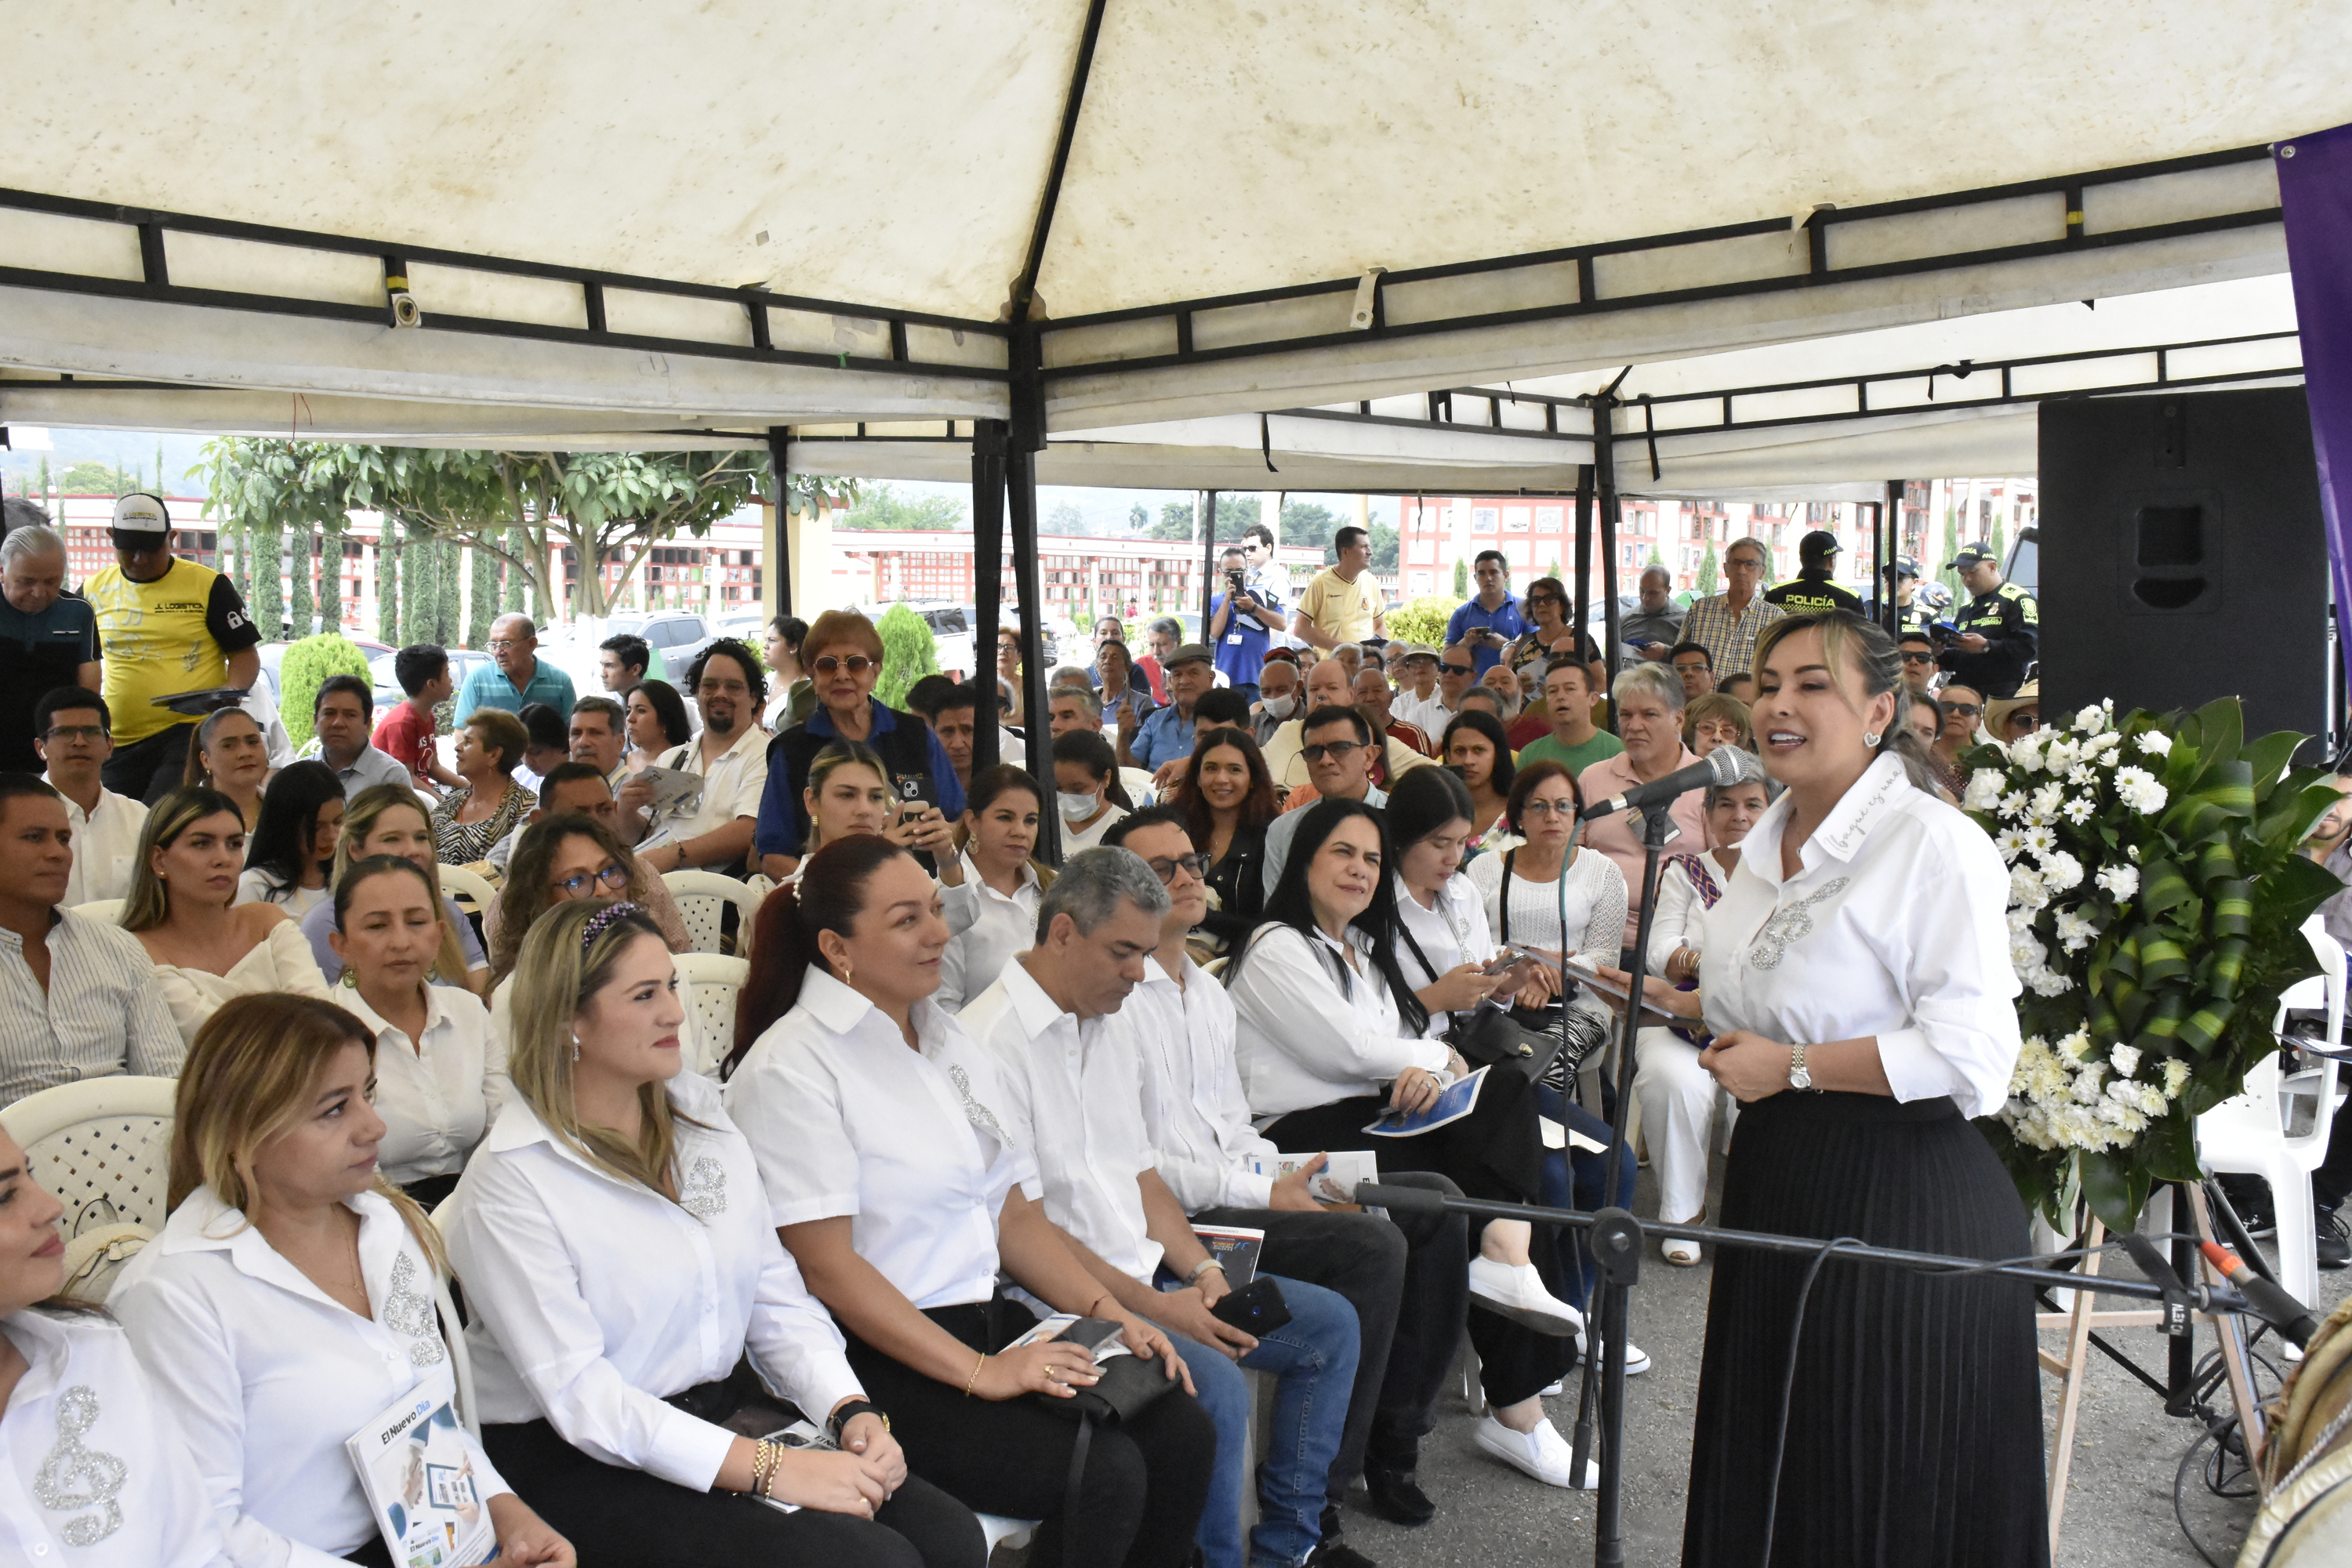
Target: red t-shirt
{"x": 407, "y": 734}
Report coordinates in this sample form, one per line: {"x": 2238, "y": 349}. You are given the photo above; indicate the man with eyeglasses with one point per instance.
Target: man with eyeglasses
{"x": 2014, "y": 718}
{"x": 1486, "y": 625}
{"x": 1916, "y": 649}
{"x": 1266, "y": 577}
{"x": 72, "y": 731}
{"x": 1326, "y": 687}
{"x": 1337, "y": 745}
{"x": 1729, "y": 622}
{"x": 515, "y": 675}
{"x": 712, "y": 830}
{"x": 1241, "y": 621}
{"x": 1457, "y": 672}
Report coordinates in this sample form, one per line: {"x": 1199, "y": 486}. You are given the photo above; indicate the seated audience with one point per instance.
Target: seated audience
{"x": 1338, "y": 754}
{"x": 2012, "y": 719}
{"x": 1278, "y": 695}
{"x": 1477, "y": 752}
{"x": 844, "y": 653}
{"x": 658, "y": 723}
{"x": 578, "y": 789}
{"x": 1220, "y": 707}
{"x": 1127, "y": 698}
{"x": 1741, "y": 686}
{"x": 1575, "y": 742}
{"x": 547, "y": 740}
{"x": 1072, "y": 1089}
{"x": 952, "y": 710}
{"x": 848, "y": 792}
{"x": 469, "y": 820}
{"x": 1486, "y": 699}
{"x": 1677, "y": 1094}
{"x": 206, "y": 946}
{"x": 1227, "y": 801}
{"x": 1694, "y": 666}
{"x": 408, "y": 733}
{"x": 289, "y": 1298}
{"x": 622, "y": 660}
{"x": 1442, "y": 927}
{"x": 881, "y": 1130}
{"x": 1327, "y": 686}
{"x": 598, "y": 734}
{"x": 228, "y": 755}
{"x": 78, "y": 997}
{"x": 711, "y": 831}
{"x": 1325, "y": 1016}
{"x": 1401, "y": 1278}
{"x": 73, "y": 732}
{"x": 989, "y": 893}
{"x": 340, "y": 716}
{"x": 291, "y": 852}
{"x": 71, "y": 1385}
{"x": 630, "y": 1298}
{"x": 1375, "y": 697}
{"x": 437, "y": 1081}
{"x": 1924, "y": 716}
{"x": 1504, "y": 682}
{"x": 1962, "y": 708}
{"x": 389, "y": 819}
{"x": 1715, "y": 721}
{"x": 1087, "y": 788}
{"x": 1650, "y": 705}
{"x": 1077, "y": 707}
{"x": 1417, "y": 691}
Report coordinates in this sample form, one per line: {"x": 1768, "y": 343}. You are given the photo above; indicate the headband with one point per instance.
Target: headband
{"x": 604, "y": 919}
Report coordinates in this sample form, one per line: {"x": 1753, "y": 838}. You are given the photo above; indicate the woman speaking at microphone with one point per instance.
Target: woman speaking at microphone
{"x": 1857, "y": 978}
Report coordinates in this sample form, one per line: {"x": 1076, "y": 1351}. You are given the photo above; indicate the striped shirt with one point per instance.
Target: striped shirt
{"x": 1729, "y": 639}
{"x": 102, "y": 1014}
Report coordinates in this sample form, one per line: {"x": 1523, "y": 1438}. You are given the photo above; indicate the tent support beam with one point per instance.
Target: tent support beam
{"x": 1583, "y": 556}
{"x": 1604, "y": 469}
{"x": 778, "y": 568}
{"x": 1024, "y": 290}
{"x": 1025, "y": 439}
{"x": 987, "y": 442}
{"x": 1208, "y": 503}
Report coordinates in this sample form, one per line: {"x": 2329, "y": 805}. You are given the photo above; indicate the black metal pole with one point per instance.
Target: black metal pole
{"x": 1024, "y": 440}
{"x": 1207, "y": 502}
{"x": 1882, "y": 585}
{"x": 1604, "y": 464}
{"x": 988, "y": 440}
{"x": 780, "y": 546}
{"x": 1583, "y": 554}
{"x": 1895, "y": 488}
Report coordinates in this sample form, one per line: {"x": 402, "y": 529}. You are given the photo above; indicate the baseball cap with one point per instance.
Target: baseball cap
{"x": 1971, "y": 555}
{"x": 141, "y": 522}
{"x": 1902, "y": 566}
{"x": 1188, "y": 653}
{"x": 1819, "y": 541}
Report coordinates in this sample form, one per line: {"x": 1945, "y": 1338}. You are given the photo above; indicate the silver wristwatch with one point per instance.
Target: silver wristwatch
{"x": 1798, "y": 1076}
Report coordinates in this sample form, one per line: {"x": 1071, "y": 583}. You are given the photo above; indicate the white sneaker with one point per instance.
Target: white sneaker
{"x": 1679, "y": 1251}
{"x": 1542, "y": 1453}
{"x": 1637, "y": 1359}
{"x": 1518, "y": 1293}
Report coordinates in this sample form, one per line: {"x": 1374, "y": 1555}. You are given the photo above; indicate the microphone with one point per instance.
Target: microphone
{"x": 1723, "y": 766}
{"x": 1403, "y": 1200}
{"x": 2271, "y": 1304}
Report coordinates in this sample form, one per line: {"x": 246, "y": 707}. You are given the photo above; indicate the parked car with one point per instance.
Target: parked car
{"x": 677, "y": 636}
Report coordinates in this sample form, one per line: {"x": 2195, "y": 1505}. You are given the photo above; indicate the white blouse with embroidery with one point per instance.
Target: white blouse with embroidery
{"x": 1895, "y": 927}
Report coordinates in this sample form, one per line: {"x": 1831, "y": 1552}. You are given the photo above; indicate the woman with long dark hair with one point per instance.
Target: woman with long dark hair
{"x": 892, "y": 1180}
{"x": 1857, "y": 977}
{"x": 990, "y": 893}
{"x": 287, "y": 859}
{"x": 1087, "y": 789}
{"x": 1227, "y": 797}
{"x": 1477, "y": 751}
{"x": 1326, "y": 1017}
{"x": 658, "y": 723}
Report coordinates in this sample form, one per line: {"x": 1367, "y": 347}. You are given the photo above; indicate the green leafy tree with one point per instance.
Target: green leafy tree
{"x": 1461, "y": 580}
{"x": 1385, "y": 548}
{"x": 885, "y": 508}
{"x": 1655, "y": 559}
{"x": 91, "y": 478}
{"x": 482, "y": 599}
{"x": 307, "y": 663}
{"x": 518, "y": 548}
{"x": 1310, "y": 523}
{"x": 420, "y": 573}
{"x": 298, "y": 570}
{"x": 1176, "y": 523}
{"x": 267, "y": 600}
{"x": 1710, "y": 569}
{"x": 909, "y": 652}
{"x": 1553, "y": 570}
{"x": 1423, "y": 620}
{"x": 1949, "y": 577}
{"x": 387, "y": 584}
{"x": 1999, "y": 544}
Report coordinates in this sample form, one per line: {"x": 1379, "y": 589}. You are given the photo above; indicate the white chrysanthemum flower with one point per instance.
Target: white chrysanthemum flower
{"x": 2077, "y": 932}
{"x": 2120, "y": 883}
{"x": 2025, "y": 888}
{"x": 2091, "y": 720}
{"x": 2039, "y": 839}
{"x": 2175, "y": 1078}
{"x": 2050, "y": 983}
{"x": 2026, "y": 750}
{"x": 2013, "y": 804}
{"x": 2137, "y": 788}
{"x": 2124, "y": 1059}
{"x": 2155, "y": 742}
{"x": 2100, "y": 748}
{"x": 2151, "y": 1098}
{"x": 2010, "y": 842}
{"x": 2132, "y": 853}
{"x": 2060, "y": 755}
{"x": 2060, "y": 870}
{"x": 2046, "y": 802}
{"x": 2079, "y": 810}
{"x": 1984, "y": 789}
{"x": 2082, "y": 777}
{"x": 2026, "y": 953}
{"x": 2075, "y": 1046}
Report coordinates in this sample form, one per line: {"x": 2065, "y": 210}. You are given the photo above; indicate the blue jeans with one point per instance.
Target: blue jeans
{"x": 1578, "y": 1179}
{"x": 1313, "y": 1360}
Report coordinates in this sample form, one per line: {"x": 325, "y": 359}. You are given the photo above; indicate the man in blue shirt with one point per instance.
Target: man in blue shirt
{"x": 515, "y": 676}
{"x": 47, "y": 638}
{"x": 1487, "y": 623}
{"x": 1166, "y": 736}
{"x": 1241, "y": 621}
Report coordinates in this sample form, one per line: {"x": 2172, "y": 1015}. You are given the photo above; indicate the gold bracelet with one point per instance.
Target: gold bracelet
{"x": 973, "y": 1381}
{"x": 765, "y": 1456}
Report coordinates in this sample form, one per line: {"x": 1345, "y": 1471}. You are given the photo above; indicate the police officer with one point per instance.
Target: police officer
{"x": 1999, "y": 630}
{"x": 1810, "y": 591}
{"x": 1911, "y": 613}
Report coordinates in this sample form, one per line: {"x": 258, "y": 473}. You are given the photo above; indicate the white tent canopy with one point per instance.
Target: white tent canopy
{"x": 659, "y": 224}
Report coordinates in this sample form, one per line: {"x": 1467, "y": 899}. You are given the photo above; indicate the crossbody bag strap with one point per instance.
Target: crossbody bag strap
{"x": 1505, "y": 937}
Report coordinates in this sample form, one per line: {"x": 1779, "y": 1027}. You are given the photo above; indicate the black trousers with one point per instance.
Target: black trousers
{"x": 1403, "y": 1276}
{"x": 1495, "y": 1152}
{"x": 150, "y": 769}
{"x": 627, "y": 1518}
{"x": 1145, "y": 1481}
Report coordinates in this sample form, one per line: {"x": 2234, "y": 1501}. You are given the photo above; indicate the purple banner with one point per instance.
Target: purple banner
{"x": 2314, "y": 176}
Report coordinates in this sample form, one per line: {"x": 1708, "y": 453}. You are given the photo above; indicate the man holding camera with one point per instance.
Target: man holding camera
{"x": 1242, "y": 620}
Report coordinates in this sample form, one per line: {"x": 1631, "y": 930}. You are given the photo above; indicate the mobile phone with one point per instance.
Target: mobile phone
{"x": 1089, "y": 1333}
{"x": 1257, "y": 1309}
{"x": 1503, "y": 960}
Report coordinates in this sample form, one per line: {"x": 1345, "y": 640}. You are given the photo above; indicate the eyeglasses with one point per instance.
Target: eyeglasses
{"x": 1964, "y": 709}
{"x": 1335, "y": 749}
{"x": 1547, "y": 808}
{"x": 1457, "y": 668}
{"x": 716, "y": 688}
{"x": 498, "y": 644}
{"x": 856, "y": 663}
{"x": 2026, "y": 720}
{"x": 1918, "y": 657}
{"x": 1196, "y": 866}
{"x": 77, "y": 733}
{"x": 578, "y": 884}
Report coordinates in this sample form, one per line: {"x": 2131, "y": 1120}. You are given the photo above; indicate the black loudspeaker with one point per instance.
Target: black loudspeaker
{"x": 2183, "y": 556}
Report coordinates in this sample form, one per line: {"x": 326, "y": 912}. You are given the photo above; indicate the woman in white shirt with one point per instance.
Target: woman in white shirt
{"x": 1087, "y": 790}
{"x": 289, "y": 1298}
{"x": 206, "y": 946}
{"x": 293, "y": 848}
{"x": 848, "y": 792}
{"x": 898, "y": 1190}
{"x": 437, "y": 1077}
{"x": 389, "y": 819}
{"x": 633, "y": 1308}
{"x": 1677, "y": 1095}
{"x": 990, "y": 893}
{"x": 1326, "y": 1016}
{"x": 1857, "y": 977}
{"x": 93, "y": 1469}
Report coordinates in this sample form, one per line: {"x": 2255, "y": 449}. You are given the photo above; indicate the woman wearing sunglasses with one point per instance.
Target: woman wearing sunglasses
{"x": 843, "y": 654}
{"x": 1963, "y": 709}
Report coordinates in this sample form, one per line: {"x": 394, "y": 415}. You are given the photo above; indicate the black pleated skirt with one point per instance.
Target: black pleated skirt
{"x": 1914, "y": 1426}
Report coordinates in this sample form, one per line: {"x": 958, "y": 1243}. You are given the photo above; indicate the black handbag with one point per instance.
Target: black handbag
{"x": 1130, "y": 1386}
{"x": 1579, "y": 1033}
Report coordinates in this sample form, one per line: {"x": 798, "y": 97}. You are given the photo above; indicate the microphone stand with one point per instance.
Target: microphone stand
{"x": 1616, "y": 1250}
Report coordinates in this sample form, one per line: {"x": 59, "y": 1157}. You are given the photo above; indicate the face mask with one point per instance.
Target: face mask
{"x": 1076, "y": 807}
{"x": 1278, "y": 706}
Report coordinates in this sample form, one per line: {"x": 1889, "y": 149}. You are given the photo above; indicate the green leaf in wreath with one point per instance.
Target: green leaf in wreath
{"x": 2223, "y": 727}
{"x": 2107, "y": 1187}
{"x": 2268, "y": 758}
{"x": 2170, "y": 1147}
{"x": 2162, "y": 885}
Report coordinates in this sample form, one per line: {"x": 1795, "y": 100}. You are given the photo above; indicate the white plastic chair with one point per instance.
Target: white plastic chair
{"x": 106, "y": 911}
{"x": 461, "y": 1361}
{"x": 1013, "y": 1533}
{"x": 2248, "y": 1134}
{"x": 702, "y": 898}
{"x": 457, "y": 882}
{"x": 711, "y": 981}
{"x": 101, "y": 1140}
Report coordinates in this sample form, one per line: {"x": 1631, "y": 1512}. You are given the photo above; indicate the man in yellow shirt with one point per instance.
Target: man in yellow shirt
{"x": 1342, "y": 604}
{"x": 166, "y": 626}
